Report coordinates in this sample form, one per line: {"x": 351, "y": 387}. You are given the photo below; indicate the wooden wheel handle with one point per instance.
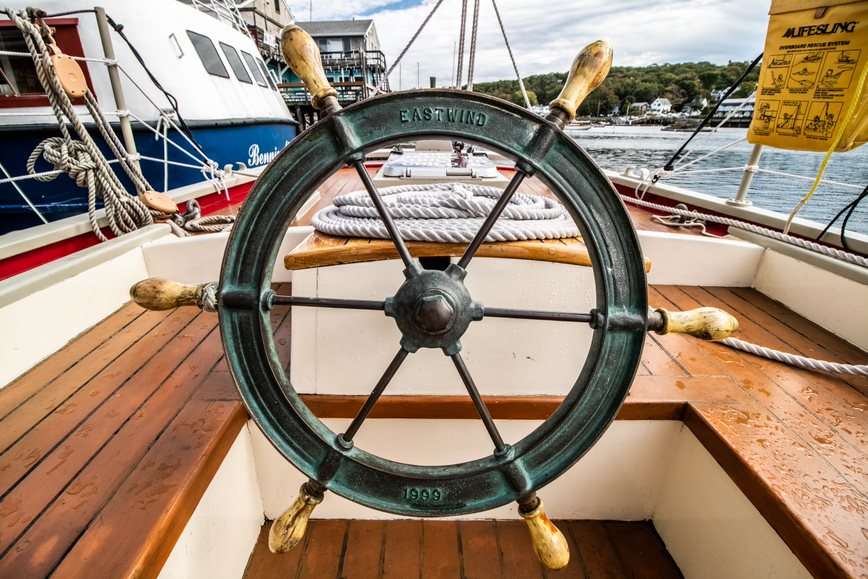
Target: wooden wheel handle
{"x": 288, "y": 530}
{"x": 588, "y": 71}
{"x": 704, "y": 323}
{"x": 302, "y": 55}
{"x": 159, "y": 294}
{"x": 549, "y": 543}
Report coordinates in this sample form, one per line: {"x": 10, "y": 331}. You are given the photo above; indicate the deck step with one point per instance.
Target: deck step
{"x": 360, "y": 549}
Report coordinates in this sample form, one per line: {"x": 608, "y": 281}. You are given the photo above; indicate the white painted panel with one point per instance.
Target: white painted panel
{"x": 711, "y": 529}
{"x": 198, "y": 259}
{"x": 217, "y": 540}
{"x": 680, "y": 259}
{"x": 836, "y": 303}
{"x": 353, "y": 348}
{"x": 39, "y": 324}
{"x": 619, "y": 478}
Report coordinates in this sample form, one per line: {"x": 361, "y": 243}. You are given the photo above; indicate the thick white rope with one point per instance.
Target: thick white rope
{"x": 445, "y": 213}
{"x": 795, "y": 360}
{"x": 764, "y": 231}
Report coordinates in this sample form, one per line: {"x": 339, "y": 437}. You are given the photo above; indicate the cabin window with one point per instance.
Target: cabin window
{"x": 277, "y": 6}
{"x": 235, "y": 63}
{"x": 17, "y": 74}
{"x": 19, "y": 85}
{"x": 251, "y": 64}
{"x": 208, "y": 54}
{"x": 266, "y": 73}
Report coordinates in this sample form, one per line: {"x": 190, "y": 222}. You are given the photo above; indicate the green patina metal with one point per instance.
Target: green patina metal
{"x": 539, "y": 148}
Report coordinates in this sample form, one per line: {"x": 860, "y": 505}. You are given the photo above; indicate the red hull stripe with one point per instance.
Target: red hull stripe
{"x": 28, "y": 260}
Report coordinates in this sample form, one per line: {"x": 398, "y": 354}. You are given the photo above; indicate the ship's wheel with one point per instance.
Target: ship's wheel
{"x": 432, "y": 308}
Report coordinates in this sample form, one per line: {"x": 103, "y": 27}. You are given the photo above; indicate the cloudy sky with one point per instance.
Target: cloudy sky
{"x": 546, "y": 34}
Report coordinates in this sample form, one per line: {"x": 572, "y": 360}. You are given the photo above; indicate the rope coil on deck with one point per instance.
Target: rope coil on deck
{"x": 446, "y": 213}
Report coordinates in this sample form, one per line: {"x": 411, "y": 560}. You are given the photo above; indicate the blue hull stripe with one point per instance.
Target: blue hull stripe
{"x": 254, "y": 145}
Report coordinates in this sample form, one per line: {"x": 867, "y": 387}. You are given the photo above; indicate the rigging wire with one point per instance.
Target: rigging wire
{"x": 670, "y": 163}
{"x": 461, "y": 35}
{"x": 511, "y": 57}
{"x": 413, "y": 38}
{"x": 473, "y": 35}
{"x": 119, "y": 28}
{"x": 173, "y": 102}
{"x": 849, "y": 209}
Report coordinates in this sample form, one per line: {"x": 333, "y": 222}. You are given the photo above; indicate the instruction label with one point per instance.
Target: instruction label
{"x": 811, "y": 67}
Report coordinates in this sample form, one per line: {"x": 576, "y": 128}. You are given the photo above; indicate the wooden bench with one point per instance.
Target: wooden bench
{"x": 320, "y": 250}
{"x": 107, "y": 447}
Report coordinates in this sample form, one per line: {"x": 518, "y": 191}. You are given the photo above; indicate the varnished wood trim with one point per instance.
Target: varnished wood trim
{"x": 195, "y": 445}
{"x": 810, "y": 550}
{"x": 320, "y": 250}
{"x": 461, "y": 407}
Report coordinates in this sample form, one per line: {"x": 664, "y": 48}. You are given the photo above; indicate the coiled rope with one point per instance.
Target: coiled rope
{"x": 445, "y": 213}
{"x": 81, "y": 159}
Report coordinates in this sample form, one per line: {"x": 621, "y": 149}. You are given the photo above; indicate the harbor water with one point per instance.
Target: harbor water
{"x": 618, "y": 147}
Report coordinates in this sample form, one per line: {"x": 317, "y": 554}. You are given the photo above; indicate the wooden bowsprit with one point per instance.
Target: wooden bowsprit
{"x": 432, "y": 308}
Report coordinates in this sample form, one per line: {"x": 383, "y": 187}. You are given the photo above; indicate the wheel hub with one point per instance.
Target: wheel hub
{"x": 435, "y": 313}
{"x": 433, "y": 310}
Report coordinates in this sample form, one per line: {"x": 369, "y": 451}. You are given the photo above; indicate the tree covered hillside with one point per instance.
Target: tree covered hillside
{"x": 682, "y": 83}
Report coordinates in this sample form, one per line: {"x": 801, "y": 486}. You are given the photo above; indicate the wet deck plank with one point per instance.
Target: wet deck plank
{"x": 463, "y": 550}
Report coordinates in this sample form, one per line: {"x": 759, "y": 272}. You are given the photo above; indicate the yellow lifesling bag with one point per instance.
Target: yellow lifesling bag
{"x": 812, "y": 78}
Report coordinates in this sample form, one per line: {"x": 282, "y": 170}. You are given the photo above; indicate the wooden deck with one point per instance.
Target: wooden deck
{"x": 107, "y": 446}
{"x": 412, "y": 549}
{"x": 140, "y": 410}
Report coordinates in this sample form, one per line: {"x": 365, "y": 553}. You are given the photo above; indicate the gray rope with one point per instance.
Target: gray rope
{"x": 795, "y": 360}
{"x": 81, "y": 159}
{"x": 461, "y": 34}
{"x": 445, "y": 213}
{"x": 764, "y": 231}
{"x": 207, "y": 301}
{"x": 193, "y": 222}
{"x": 473, "y": 32}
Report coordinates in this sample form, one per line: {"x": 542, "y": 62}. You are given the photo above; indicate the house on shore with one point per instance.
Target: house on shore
{"x": 661, "y": 105}
{"x": 352, "y": 59}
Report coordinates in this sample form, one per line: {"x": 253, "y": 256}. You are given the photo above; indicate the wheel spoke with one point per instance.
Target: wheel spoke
{"x": 279, "y": 300}
{"x": 409, "y": 263}
{"x": 366, "y": 408}
{"x": 538, "y": 315}
{"x": 486, "y": 226}
{"x": 481, "y": 408}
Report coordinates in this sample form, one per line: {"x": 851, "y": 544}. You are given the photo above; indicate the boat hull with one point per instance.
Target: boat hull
{"x": 253, "y": 143}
